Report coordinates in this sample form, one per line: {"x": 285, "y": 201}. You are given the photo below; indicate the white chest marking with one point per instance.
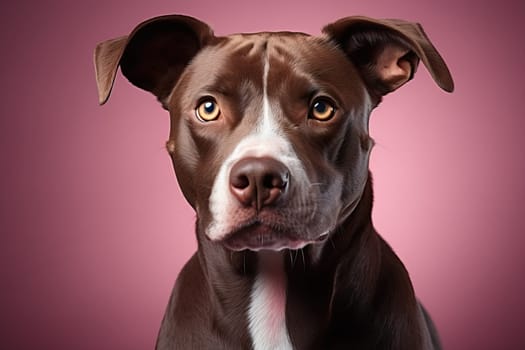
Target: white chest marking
{"x": 267, "y": 323}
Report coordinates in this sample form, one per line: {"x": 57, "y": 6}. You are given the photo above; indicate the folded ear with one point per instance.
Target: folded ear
{"x": 387, "y": 52}
{"x": 153, "y": 56}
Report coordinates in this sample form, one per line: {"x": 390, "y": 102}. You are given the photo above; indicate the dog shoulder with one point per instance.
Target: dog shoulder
{"x": 375, "y": 305}
{"x": 186, "y": 310}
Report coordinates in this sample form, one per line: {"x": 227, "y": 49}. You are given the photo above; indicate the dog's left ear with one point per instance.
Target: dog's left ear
{"x": 387, "y": 52}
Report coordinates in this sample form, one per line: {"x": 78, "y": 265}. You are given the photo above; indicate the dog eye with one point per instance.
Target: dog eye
{"x": 322, "y": 109}
{"x": 208, "y": 110}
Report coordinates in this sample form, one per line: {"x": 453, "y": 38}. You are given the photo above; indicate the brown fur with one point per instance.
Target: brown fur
{"x": 348, "y": 292}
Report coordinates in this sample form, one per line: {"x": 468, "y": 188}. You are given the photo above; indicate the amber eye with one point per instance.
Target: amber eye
{"x": 322, "y": 109}
{"x": 208, "y": 110}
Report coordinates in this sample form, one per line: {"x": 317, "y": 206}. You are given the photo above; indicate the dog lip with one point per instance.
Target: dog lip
{"x": 257, "y": 236}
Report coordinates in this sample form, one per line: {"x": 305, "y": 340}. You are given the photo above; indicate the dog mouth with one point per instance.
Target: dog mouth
{"x": 259, "y": 236}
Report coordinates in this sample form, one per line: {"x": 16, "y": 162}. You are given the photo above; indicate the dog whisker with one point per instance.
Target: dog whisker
{"x": 244, "y": 262}
{"x": 294, "y": 259}
{"x": 332, "y": 243}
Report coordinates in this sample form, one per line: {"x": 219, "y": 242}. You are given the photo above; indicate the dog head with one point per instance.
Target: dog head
{"x": 269, "y": 131}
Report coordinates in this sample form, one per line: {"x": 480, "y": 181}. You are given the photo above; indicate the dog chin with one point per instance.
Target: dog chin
{"x": 259, "y": 237}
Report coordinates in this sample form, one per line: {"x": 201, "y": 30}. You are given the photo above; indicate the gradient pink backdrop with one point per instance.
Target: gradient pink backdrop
{"x": 93, "y": 226}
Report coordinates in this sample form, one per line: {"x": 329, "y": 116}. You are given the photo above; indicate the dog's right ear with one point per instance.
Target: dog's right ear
{"x": 153, "y": 56}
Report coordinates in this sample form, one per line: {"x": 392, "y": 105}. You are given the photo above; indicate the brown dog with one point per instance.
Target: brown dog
{"x": 269, "y": 140}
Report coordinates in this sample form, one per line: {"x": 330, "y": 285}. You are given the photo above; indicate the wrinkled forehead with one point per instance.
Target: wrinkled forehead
{"x": 294, "y": 61}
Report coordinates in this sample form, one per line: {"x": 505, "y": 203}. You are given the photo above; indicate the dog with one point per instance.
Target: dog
{"x": 270, "y": 144}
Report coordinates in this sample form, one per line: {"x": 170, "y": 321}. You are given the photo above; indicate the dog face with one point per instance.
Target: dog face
{"x": 286, "y": 108}
{"x": 269, "y": 131}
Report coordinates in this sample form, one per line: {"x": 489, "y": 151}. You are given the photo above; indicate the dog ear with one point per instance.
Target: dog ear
{"x": 153, "y": 56}
{"x": 387, "y": 52}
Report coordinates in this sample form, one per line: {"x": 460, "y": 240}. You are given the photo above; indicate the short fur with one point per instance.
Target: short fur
{"x": 346, "y": 288}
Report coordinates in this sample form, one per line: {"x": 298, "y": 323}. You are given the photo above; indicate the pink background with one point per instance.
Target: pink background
{"x": 93, "y": 226}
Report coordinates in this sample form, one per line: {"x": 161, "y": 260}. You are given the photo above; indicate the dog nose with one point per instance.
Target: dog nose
{"x": 258, "y": 182}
